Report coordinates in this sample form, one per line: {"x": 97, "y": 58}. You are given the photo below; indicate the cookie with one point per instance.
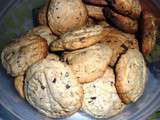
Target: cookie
{"x": 42, "y": 13}
{"x": 149, "y": 31}
{"x": 19, "y": 80}
{"x": 81, "y": 38}
{"x": 95, "y": 12}
{"x": 89, "y": 63}
{"x": 18, "y": 83}
{"x": 123, "y": 23}
{"x": 26, "y": 50}
{"x": 66, "y": 15}
{"x": 45, "y": 33}
{"x": 130, "y": 8}
{"x": 101, "y": 99}
{"x": 52, "y": 89}
{"x": 119, "y": 42}
{"x": 131, "y": 76}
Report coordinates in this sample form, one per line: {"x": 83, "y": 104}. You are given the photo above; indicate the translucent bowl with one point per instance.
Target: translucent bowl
{"x": 16, "y": 17}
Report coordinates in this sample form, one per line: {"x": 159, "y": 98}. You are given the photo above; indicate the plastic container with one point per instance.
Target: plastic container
{"x": 16, "y": 17}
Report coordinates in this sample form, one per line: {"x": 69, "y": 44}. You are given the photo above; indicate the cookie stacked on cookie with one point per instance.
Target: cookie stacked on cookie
{"x": 84, "y": 55}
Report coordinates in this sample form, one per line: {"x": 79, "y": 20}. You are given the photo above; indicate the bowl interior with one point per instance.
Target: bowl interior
{"x": 19, "y": 16}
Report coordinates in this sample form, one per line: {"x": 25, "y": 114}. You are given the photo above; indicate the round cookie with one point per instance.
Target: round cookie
{"x": 66, "y": 15}
{"x": 149, "y": 32}
{"x": 45, "y": 33}
{"x": 20, "y": 54}
{"x": 101, "y": 99}
{"x": 90, "y": 63}
{"x": 19, "y": 80}
{"x": 42, "y": 13}
{"x": 130, "y": 8}
{"x": 52, "y": 89}
{"x": 131, "y": 76}
{"x": 95, "y": 12}
{"x": 119, "y": 42}
{"x": 123, "y": 23}
{"x": 18, "y": 83}
{"x": 81, "y": 38}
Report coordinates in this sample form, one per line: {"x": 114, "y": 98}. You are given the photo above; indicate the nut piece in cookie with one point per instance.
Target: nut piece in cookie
{"x": 42, "y": 14}
{"x": 123, "y": 23}
{"x": 52, "y": 89}
{"x": 89, "y": 63}
{"x": 66, "y": 15}
{"x": 45, "y": 32}
{"x": 101, "y": 99}
{"x": 18, "y": 83}
{"x": 95, "y": 12}
{"x": 130, "y": 8}
{"x": 120, "y": 42}
{"x": 149, "y": 31}
{"x": 96, "y": 2}
{"x": 20, "y": 54}
{"x": 131, "y": 76}
{"x": 81, "y": 38}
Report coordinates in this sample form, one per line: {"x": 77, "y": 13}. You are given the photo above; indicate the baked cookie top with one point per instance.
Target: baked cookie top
{"x": 81, "y": 38}
{"x": 101, "y": 99}
{"x": 20, "y": 54}
{"x": 131, "y": 76}
{"x": 52, "y": 89}
{"x": 90, "y": 63}
{"x": 119, "y": 42}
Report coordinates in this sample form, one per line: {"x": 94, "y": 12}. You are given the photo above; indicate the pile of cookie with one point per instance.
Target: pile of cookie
{"x": 84, "y": 55}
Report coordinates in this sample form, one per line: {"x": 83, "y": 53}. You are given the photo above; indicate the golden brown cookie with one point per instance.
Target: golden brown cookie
{"x": 89, "y": 63}
{"x": 119, "y": 42}
{"x": 20, "y": 54}
{"x": 149, "y": 31}
{"x": 81, "y": 38}
{"x": 95, "y": 12}
{"x": 121, "y": 22}
{"x": 131, "y": 76}
{"x": 42, "y": 13}
{"x": 131, "y": 8}
{"x": 66, "y": 15}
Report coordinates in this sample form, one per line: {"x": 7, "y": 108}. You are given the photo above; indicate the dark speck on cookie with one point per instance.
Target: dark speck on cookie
{"x": 93, "y": 98}
{"x": 54, "y": 80}
{"x": 67, "y": 86}
{"x": 67, "y": 74}
{"x": 42, "y": 87}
